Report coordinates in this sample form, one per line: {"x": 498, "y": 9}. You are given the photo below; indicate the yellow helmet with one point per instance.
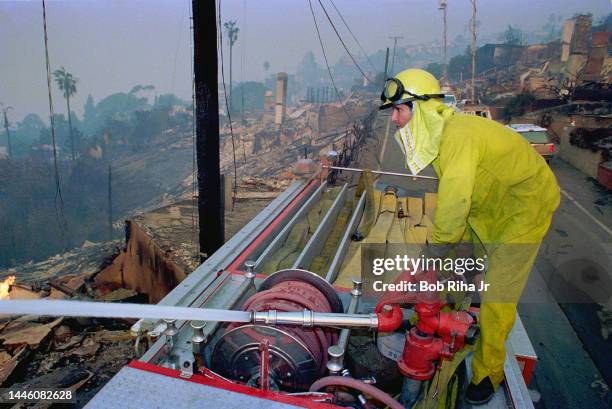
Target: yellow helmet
{"x": 410, "y": 85}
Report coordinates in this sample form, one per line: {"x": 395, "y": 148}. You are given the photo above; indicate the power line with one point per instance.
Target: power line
{"x": 473, "y": 29}
{"x": 354, "y": 38}
{"x": 229, "y": 116}
{"x": 59, "y": 201}
{"x": 242, "y": 61}
{"x": 342, "y": 41}
{"x": 327, "y": 63}
{"x": 176, "y": 50}
{"x": 194, "y": 183}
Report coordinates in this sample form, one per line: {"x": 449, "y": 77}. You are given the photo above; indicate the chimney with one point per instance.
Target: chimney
{"x": 281, "y": 98}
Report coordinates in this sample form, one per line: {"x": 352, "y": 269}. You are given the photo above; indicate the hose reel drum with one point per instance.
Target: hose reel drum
{"x": 294, "y": 357}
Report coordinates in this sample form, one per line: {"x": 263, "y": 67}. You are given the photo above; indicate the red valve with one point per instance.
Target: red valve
{"x": 437, "y": 335}
{"x": 452, "y": 326}
{"x": 428, "y": 313}
{"x": 389, "y": 317}
{"x": 420, "y": 353}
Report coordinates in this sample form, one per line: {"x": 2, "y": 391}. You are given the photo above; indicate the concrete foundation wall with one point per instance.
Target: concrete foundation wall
{"x": 591, "y": 121}
{"x": 582, "y": 159}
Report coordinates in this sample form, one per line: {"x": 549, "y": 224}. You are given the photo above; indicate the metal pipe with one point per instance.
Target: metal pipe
{"x": 380, "y": 172}
{"x": 111, "y": 310}
{"x": 315, "y": 319}
{"x": 352, "y": 308}
{"x": 336, "y": 352}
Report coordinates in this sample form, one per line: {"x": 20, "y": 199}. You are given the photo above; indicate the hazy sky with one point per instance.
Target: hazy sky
{"x": 111, "y": 46}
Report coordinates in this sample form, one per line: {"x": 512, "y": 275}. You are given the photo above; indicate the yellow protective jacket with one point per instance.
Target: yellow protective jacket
{"x": 493, "y": 181}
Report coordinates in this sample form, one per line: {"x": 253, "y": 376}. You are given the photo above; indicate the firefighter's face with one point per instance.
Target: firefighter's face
{"x": 401, "y": 115}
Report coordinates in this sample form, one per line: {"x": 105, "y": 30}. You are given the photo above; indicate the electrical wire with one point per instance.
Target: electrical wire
{"x": 342, "y": 41}
{"x": 194, "y": 182}
{"x": 177, "y": 50}
{"x": 242, "y": 60}
{"x": 353, "y": 35}
{"x": 327, "y": 63}
{"x": 229, "y": 116}
{"x": 59, "y": 201}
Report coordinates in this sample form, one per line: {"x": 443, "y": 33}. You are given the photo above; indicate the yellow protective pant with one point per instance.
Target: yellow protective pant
{"x": 507, "y": 273}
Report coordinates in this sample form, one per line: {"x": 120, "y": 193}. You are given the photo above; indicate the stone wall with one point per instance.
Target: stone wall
{"x": 582, "y": 159}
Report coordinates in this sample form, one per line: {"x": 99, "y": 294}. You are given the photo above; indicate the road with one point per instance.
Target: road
{"x": 570, "y": 282}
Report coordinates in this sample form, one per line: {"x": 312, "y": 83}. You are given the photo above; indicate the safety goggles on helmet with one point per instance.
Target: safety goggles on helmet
{"x": 393, "y": 91}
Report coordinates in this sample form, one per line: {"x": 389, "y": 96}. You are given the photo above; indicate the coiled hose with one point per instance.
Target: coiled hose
{"x": 365, "y": 388}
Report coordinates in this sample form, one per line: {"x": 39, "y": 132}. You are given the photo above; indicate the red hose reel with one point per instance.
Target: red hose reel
{"x": 294, "y": 356}
{"x": 296, "y": 295}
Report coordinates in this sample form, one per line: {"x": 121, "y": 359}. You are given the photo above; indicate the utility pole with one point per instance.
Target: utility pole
{"x": 388, "y": 128}
{"x": 473, "y": 93}
{"x": 394, "y": 38}
{"x": 210, "y": 210}
{"x": 6, "y": 128}
{"x": 443, "y": 6}
{"x": 386, "y": 65}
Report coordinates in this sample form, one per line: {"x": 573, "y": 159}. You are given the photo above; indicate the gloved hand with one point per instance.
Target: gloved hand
{"x": 411, "y": 297}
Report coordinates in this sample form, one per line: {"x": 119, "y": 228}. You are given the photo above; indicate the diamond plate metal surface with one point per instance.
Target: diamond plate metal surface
{"x": 133, "y": 388}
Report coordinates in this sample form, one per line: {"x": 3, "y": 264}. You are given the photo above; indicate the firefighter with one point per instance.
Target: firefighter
{"x": 494, "y": 189}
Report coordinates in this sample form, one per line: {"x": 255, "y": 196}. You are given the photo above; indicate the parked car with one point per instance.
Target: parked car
{"x": 538, "y": 138}
{"x": 469, "y": 107}
{"x": 450, "y": 100}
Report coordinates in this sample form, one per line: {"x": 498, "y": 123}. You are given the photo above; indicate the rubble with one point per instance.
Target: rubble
{"x": 78, "y": 261}
{"x": 73, "y": 379}
{"x": 120, "y": 294}
{"x": 9, "y": 362}
{"x": 17, "y": 334}
{"x": 22, "y": 292}
{"x": 70, "y": 343}
{"x": 59, "y": 352}
{"x": 87, "y": 349}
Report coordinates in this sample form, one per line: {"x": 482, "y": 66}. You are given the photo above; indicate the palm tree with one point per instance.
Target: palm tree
{"x": 67, "y": 84}
{"x": 232, "y": 36}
